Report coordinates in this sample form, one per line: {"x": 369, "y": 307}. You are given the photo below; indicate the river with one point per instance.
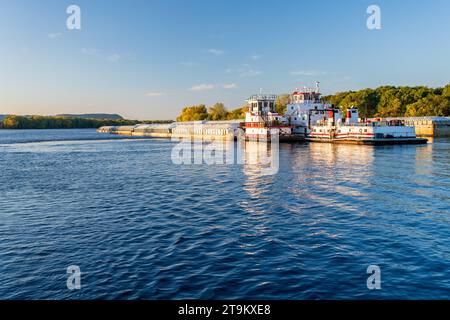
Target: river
{"x": 140, "y": 226}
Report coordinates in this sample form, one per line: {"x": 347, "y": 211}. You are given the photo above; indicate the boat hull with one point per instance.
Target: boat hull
{"x": 372, "y": 142}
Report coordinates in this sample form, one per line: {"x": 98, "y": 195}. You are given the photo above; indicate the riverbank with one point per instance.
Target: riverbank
{"x": 64, "y": 122}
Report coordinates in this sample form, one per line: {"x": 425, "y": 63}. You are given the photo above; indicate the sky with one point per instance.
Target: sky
{"x": 147, "y": 59}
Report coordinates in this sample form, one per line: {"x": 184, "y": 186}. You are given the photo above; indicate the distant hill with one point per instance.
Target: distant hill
{"x": 58, "y": 122}
{"x": 99, "y": 116}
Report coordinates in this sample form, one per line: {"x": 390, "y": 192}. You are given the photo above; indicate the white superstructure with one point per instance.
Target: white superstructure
{"x": 262, "y": 121}
{"x": 305, "y": 109}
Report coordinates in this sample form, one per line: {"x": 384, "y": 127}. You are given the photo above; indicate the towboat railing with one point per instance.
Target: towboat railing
{"x": 263, "y": 97}
{"x": 263, "y": 124}
{"x": 392, "y": 123}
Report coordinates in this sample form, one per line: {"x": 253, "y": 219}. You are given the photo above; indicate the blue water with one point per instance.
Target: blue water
{"x": 140, "y": 227}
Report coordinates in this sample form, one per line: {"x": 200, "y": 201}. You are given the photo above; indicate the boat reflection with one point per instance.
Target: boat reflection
{"x": 339, "y": 169}
{"x": 259, "y": 158}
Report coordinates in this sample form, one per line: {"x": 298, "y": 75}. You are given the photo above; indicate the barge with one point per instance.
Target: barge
{"x": 205, "y": 130}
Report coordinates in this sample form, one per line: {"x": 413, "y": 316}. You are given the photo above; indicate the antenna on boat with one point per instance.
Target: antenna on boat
{"x": 317, "y": 86}
{"x": 260, "y": 90}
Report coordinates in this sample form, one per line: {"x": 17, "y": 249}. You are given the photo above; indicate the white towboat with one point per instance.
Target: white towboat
{"x": 332, "y": 128}
{"x": 262, "y": 122}
{"x": 321, "y": 122}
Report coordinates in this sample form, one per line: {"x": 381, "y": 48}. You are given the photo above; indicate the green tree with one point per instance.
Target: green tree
{"x": 10, "y": 122}
{"x": 337, "y": 98}
{"x": 366, "y": 100}
{"x": 237, "y": 114}
{"x": 429, "y": 106}
{"x": 217, "y": 112}
{"x": 193, "y": 113}
{"x": 446, "y": 91}
{"x": 281, "y": 102}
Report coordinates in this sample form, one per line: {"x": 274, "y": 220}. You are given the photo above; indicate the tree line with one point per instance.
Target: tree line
{"x": 213, "y": 113}
{"x": 54, "y": 122}
{"x": 385, "y": 101}
{"x": 391, "y": 101}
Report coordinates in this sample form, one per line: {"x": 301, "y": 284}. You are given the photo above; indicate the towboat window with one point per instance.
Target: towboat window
{"x": 365, "y": 130}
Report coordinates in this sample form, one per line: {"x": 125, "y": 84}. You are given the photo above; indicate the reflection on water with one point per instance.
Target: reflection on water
{"x": 260, "y": 165}
{"x": 259, "y": 158}
{"x": 424, "y": 162}
{"x": 337, "y": 154}
{"x": 341, "y": 170}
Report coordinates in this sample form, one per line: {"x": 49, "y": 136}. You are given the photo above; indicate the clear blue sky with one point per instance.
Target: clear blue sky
{"x": 147, "y": 59}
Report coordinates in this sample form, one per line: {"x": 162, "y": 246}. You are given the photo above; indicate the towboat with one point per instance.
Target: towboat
{"x": 353, "y": 130}
{"x": 262, "y": 122}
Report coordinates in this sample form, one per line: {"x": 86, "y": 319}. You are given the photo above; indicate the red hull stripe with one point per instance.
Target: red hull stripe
{"x": 343, "y": 134}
